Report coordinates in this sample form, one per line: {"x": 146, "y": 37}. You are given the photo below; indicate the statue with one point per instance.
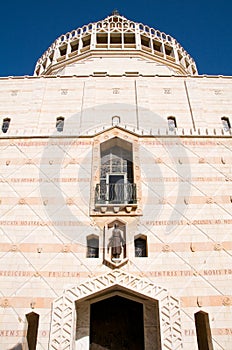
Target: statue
{"x": 116, "y": 242}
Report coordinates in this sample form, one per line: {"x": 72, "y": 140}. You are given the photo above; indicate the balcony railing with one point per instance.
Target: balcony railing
{"x": 118, "y": 193}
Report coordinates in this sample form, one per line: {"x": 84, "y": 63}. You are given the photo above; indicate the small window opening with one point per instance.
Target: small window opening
{"x": 186, "y": 63}
{"x": 226, "y": 123}
{"x": 115, "y": 120}
{"x": 44, "y": 64}
{"x": 74, "y": 46}
{"x": 102, "y": 38}
{"x": 63, "y": 50}
{"x": 5, "y": 125}
{"x": 204, "y": 338}
{"x": 86, "y": 41}
{"x": 129, "y": 38}
{"x": 157, "y": 46}
{"x": 60, "y": 124}
{"x": 37, "y": 71}
{"x": 92, "y": 247}
{"x": 32, "y": 330}
{"x": 115, "y": 39}
{"x": 145, "y": 41}
{"x": 141, "y": 247}
{"x": 180, "y": 56}
{"x": 172, "y": 123}
{"x": 194, "y": 70}
{"x": 168, "y": 50}
{"x": 51, "y": 56}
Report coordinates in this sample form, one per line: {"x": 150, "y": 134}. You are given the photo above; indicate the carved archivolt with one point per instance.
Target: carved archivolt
{"x": 63, "y": 321}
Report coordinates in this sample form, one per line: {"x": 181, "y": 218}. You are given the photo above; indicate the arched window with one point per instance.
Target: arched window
{"x": 5, "y": 124}
{"x": 32, "y": 330}
{"x": 226, "y": 123}
{"x": 92, "y": 247}
{"x": 172, "y": 123}
{"x": 141, "y": 246}
{"x": 115, "y": 120}
{"x": 60, "y": 124}
{"x": 204, "y": 338}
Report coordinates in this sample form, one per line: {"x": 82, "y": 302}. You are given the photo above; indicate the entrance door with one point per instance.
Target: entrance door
{"x": 116, "y": 323}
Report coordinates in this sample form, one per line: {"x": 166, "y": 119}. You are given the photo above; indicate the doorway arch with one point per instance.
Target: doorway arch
{"x": 65, "y": 316}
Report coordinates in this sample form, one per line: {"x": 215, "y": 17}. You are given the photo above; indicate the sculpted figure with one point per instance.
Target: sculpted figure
{"x": 116, "y": 242}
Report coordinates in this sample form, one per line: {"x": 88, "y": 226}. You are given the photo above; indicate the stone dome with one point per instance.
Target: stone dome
{"x": 115, "y": 36}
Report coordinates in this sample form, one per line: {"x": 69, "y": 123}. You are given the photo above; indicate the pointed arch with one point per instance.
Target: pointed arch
{"x": 63, "y": 322}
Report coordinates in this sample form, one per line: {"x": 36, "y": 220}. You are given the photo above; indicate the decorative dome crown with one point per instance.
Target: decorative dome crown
{"x": 115, "y": 35}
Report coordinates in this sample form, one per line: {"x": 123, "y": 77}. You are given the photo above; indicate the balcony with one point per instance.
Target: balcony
{"x": 115, "y": 197}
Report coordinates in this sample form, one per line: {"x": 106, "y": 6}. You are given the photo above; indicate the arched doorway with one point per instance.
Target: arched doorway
{"x": 116, "y": 323}
{"x": 70, "y": 324}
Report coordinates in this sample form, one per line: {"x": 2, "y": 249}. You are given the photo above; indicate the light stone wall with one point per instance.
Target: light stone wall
{"x": 46, "y": 183}
{"x": 33, "y": 104}
{"x": 41, "y": 258}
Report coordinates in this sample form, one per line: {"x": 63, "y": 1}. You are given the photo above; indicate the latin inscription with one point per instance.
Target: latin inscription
{"x": 190, "y": 222}
{"x": 62, "y": 179}
{"x": 148, "y": 223}
{"x": 47, "y": 143}
{"x": 42, "y": 223}
{"x": 183, "y": 142}
{"x": 45, "y": 333}
{"x": 169, "y": 273}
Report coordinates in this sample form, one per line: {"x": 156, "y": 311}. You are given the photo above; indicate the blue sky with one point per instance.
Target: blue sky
{"x": 202, "y": 27}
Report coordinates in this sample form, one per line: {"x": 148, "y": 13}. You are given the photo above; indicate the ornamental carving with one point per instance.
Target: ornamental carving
{"x": 63, "y": 323}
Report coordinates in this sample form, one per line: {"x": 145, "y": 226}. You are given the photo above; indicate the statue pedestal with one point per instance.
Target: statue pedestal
{"x": 115, "y": 263}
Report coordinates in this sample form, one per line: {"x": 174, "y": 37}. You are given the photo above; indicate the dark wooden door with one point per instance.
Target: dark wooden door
{"x": 116, "y": 323}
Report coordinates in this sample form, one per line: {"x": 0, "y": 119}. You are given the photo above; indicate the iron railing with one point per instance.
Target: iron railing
{"x": 118, "y": 193}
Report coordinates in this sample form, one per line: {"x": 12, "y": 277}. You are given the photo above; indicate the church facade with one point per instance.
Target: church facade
{"x": 116, "y": 195}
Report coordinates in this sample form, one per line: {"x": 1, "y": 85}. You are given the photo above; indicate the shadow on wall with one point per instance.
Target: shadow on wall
{"x": 17, "y": 347}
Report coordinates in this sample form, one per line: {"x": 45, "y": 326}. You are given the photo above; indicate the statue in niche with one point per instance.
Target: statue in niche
{"x": 116, "y": 242}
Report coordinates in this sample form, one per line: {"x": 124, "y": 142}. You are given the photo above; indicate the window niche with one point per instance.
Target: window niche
{"x": 168, "y": 50}
{"x": 86, "y": 41}
{"x": 32, "y": 330}
{"x": 74, "y": 45}
{"x": 115, "y": 243}
{"x": 92, "y": 246}
{"x": 204, "y": 338}
{"x": 115, "y": 120}
{"x": 129, "y": 40}
{"x": 172, "y": 125}
{"x": 116, "y": 166}
{"x": 226, "y": 123}
{"x": 116, "y": 188}
{"x": 63, "y": 50}
{"x": 60, "y": 124}
{"x": 157, "y": 46}
{"x": 145, "y": 41}
{"x": 5, "y": 125}
{"x": 140, "y": 245}
{"x": 116, "y": 38}
{"x": 102, "y": 38}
